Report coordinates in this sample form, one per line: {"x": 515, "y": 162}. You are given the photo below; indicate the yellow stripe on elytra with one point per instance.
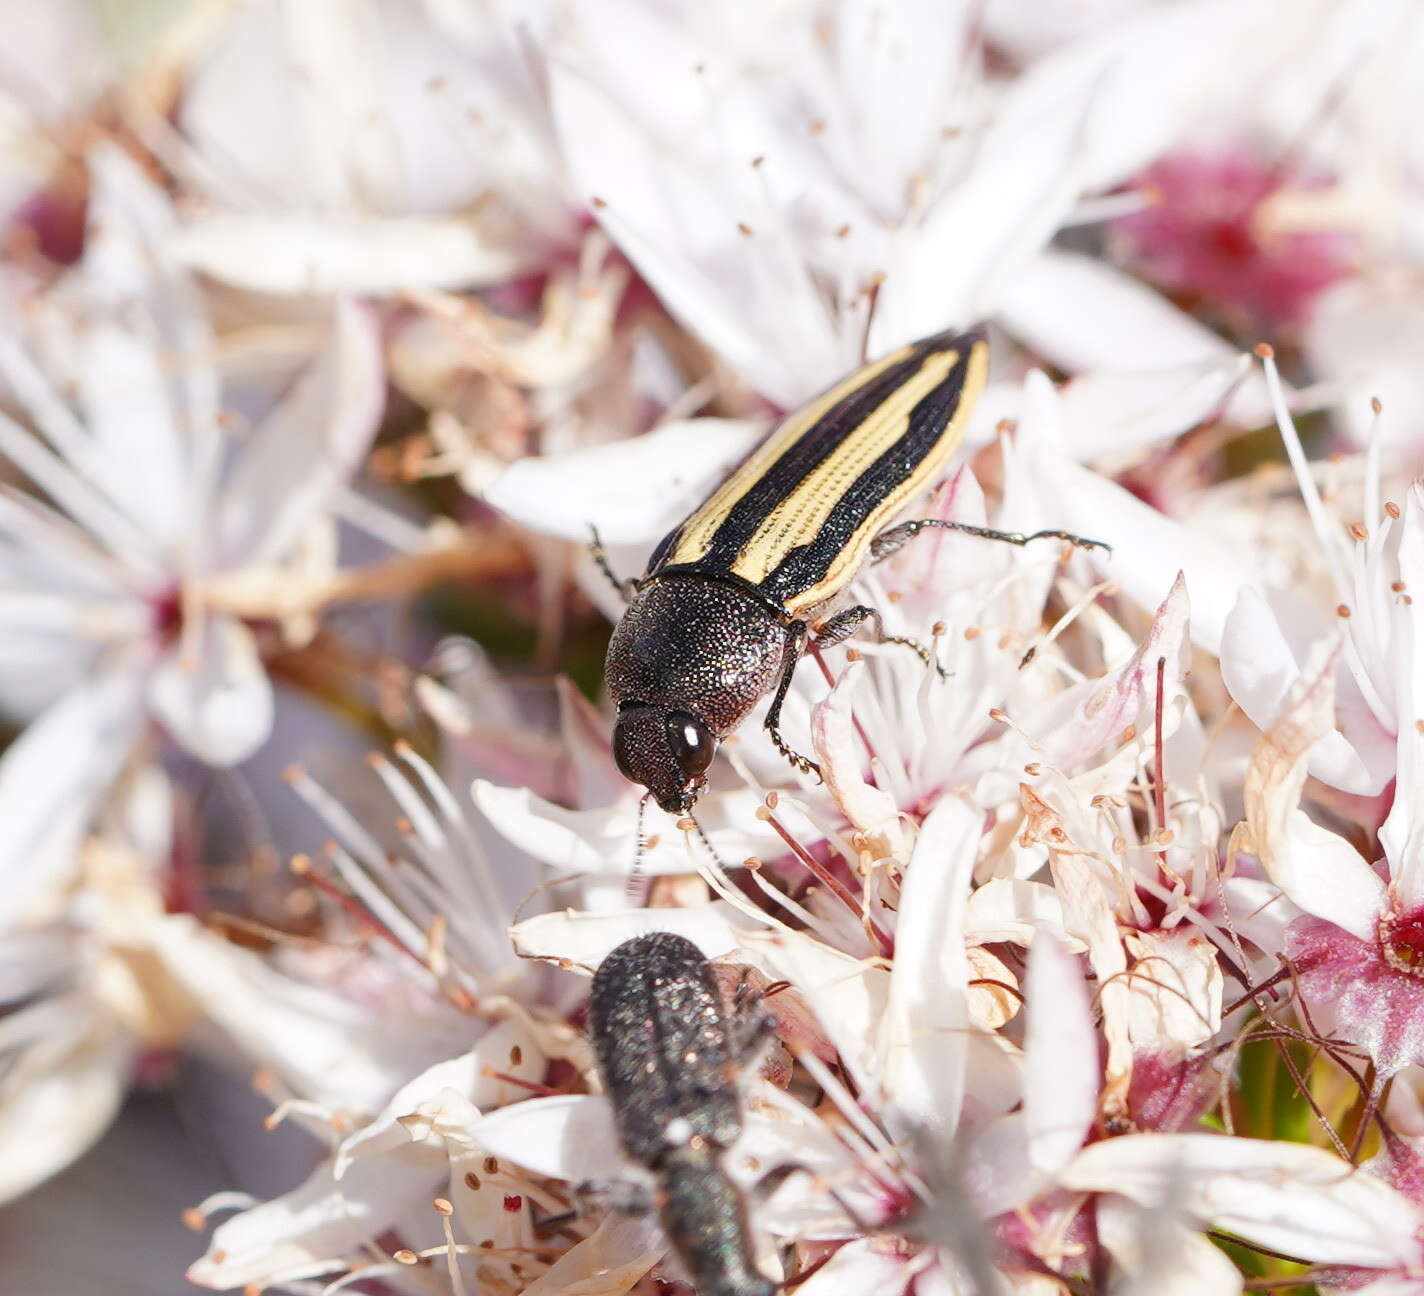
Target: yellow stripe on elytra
{"x": 798, "y": 519}
{"x": 850, "y": 556}
{"x": 698, "y": 530}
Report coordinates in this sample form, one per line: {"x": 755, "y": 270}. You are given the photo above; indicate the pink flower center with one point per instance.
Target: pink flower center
{"x": 1208, "y": 239}
{"x": 1402, "y": 940}
{"x": 167, "y": 609}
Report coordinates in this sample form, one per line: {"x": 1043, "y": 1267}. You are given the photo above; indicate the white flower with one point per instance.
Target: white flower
{"x": 1358, "y": 949}
{"x": 408, "y": 1171}
{"x": 55, "y": 64}
{"x": 103, "y": 973}
{"x": 117, "y": 585}
{"x": 1368, "y": 560}
{"x": 389, "y": 145}
{"x": 852, "y": 179}
{"x": 431, "y": 968}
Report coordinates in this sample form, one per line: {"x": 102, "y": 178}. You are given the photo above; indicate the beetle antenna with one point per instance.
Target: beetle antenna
{"x": 636, "y": 892}
{"x": 707, "y": 843}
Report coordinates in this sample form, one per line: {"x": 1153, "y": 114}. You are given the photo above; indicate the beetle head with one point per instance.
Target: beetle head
{"x": 667, "y": 751}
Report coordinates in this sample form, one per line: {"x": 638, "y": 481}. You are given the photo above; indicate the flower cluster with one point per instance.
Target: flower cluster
{"x": 1092, "y": 942}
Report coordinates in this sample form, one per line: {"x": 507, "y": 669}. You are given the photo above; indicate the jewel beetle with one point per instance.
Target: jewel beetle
{"x": 730, "y": 597}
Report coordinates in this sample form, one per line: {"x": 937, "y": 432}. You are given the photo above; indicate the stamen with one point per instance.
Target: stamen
{"x": 452, "y": 1250}
{"x": 218, "y": 1203}
{"x": 814, "y": 866}
{"x": 532, "y": 1086}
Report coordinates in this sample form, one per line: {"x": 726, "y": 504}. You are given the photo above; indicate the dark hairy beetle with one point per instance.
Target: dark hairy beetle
{"x": 723, "y": 613}
{"x": 669, "y": 1055}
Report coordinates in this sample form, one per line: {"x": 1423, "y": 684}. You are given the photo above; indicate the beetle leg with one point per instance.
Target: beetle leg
{"x": 626, "y": 588}
{"x": 764, "y": 1187}
{"x": 896, "y": 537}
{"x": 748, "y": 1025}
{"x": 846, "y": 623}
{"x": 623, "y": 1196}
{"x": 795, "y": 640}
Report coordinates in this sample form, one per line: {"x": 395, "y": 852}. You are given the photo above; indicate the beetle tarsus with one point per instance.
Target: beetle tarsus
{"x": 803, "y": 763}
{"x": 795, "y": 644}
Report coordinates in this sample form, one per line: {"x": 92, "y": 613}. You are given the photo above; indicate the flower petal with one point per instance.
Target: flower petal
{"x": 1117, "y": 323}
{"x": 633, "y": 491}
{"x": 341, "y": 252}
{"x": 571, "y": 1137}
{"x": 1154, "y": 1252}
{"x": 217, "y": 702}
{"x": 1060, "y": 1057}
{"x": 307, "y": 446}
{"x": 609, "y": 1262}
{"x": 1287, "y": 1196}
{"x": 923, "y": 1034}
{"x": 53, "y": 777}
{"x": 870, "y": 809}
{"x": 320, "y": 1226}
{"x": 861, "y": 1268}
{"x": 1402, "y": 834}
{"x": 1258, "y": 668}
{"x": 1318, "y": 870}
{"x": 60, "y": 1094}
{"x": 584, "y": 940}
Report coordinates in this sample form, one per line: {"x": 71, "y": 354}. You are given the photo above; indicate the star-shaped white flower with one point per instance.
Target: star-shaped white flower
{"x": 389, "y": 146}
{"x": 117, "y": 583}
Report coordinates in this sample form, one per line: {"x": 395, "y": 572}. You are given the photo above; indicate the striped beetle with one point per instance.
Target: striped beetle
{"x": 730, "y": 596}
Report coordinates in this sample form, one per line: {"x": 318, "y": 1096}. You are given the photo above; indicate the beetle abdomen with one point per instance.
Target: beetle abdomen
{"x": 663, "y": 1047}
{"x": 795, "y": 520}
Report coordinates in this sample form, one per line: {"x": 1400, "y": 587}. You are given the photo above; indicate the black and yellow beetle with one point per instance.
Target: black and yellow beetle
{"x": 722, "y": 615}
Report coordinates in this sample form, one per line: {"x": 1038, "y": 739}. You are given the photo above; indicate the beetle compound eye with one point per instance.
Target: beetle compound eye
{"x": 692, "y": 742}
